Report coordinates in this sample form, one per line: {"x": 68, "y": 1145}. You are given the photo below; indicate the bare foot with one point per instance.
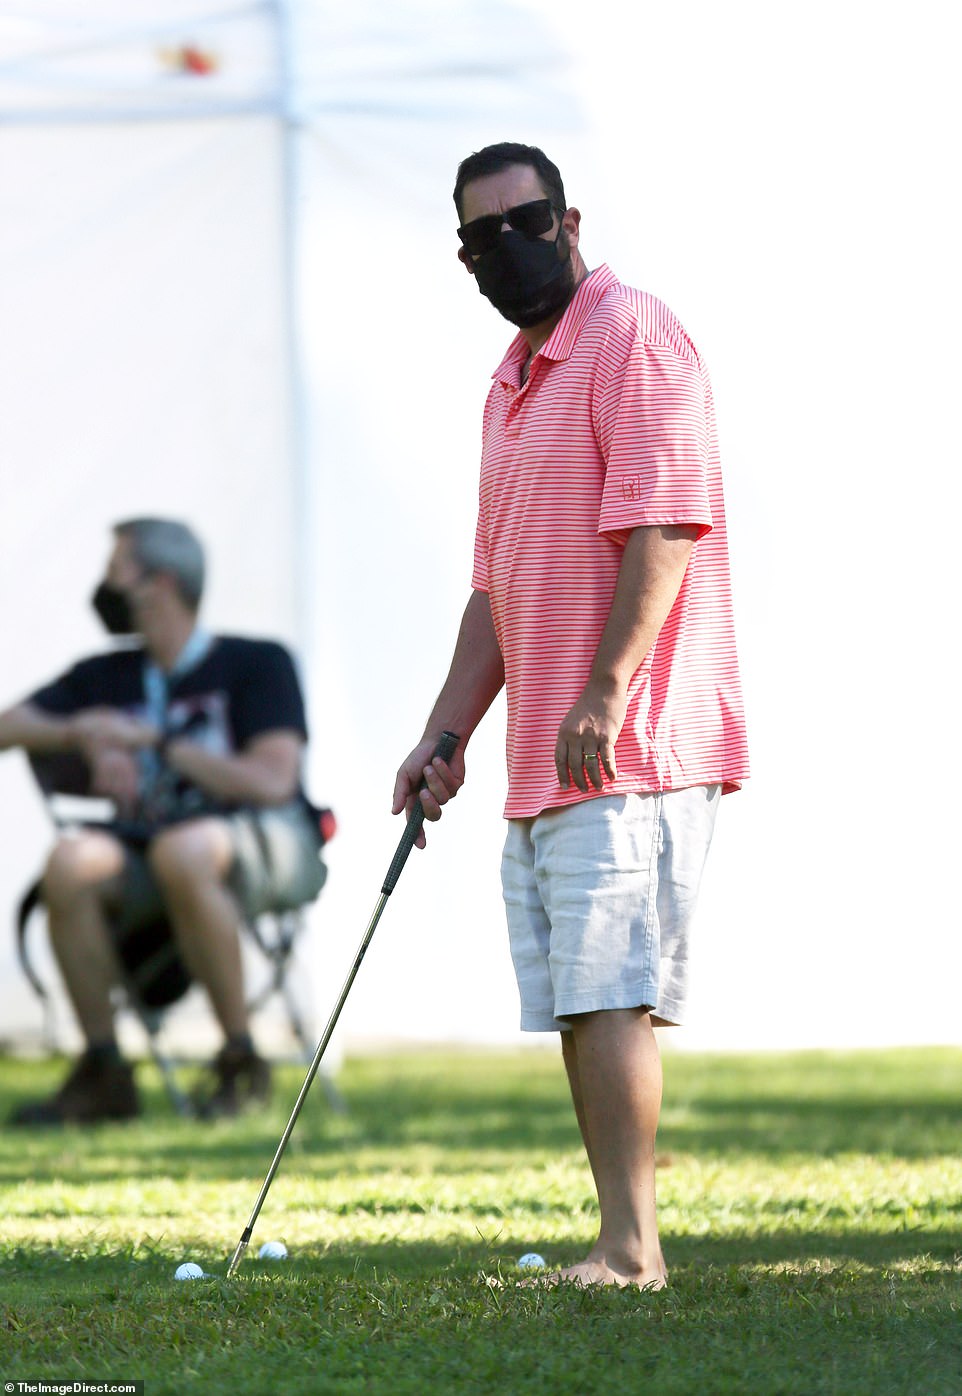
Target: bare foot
{"x": 590, "y": 1273}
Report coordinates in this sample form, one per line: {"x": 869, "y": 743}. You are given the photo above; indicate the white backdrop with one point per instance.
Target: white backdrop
{"x": 785, "y": 187}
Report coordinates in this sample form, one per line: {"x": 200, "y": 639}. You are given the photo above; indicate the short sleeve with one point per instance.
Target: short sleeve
{"x": 61, "y": 697}
{"x": 268, "y": 698}
{"x": 110, "y": 680}
{"x": 479, "y": 572}
{"x": 652, "y": 425}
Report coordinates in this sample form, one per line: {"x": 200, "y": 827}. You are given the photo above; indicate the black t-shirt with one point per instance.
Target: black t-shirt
{"x": 239, "y": 690}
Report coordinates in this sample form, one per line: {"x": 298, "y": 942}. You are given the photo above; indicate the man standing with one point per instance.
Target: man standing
{"x": 601, "y": 600}
{"x": 198, "y": 740}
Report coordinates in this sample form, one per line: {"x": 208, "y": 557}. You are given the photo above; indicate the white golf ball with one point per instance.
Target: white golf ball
{"x": 531, "y": 1260}
{"x": 188, "y": 1271}
{"x": 273, "y": 1250}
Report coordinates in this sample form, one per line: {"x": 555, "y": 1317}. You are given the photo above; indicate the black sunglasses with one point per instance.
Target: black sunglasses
{"x": 530, "y": 220}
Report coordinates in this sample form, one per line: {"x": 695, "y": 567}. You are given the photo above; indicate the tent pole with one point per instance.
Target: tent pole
{"x": 300, "y": 420}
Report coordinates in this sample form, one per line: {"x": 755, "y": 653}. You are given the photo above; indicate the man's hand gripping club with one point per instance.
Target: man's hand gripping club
{"x": 426, "y": 776}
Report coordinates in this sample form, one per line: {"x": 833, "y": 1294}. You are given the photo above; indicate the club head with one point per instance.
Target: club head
{"x": 238, "y": 1255}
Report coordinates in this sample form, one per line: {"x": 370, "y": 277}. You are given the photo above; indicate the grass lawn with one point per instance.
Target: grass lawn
{"x": 811, "y": 1212}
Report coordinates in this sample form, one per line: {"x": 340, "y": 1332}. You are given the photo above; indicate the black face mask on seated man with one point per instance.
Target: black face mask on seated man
{"x": 525, "y": 280}
{"x": 114, "y": 609}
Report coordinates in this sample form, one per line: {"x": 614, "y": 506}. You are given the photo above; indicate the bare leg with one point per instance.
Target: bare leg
{"x": 570, "y": 1055}
{"x": 190, "y": 862}
{"x": 83, "y": 870}
{"x": 614, "y": 1070}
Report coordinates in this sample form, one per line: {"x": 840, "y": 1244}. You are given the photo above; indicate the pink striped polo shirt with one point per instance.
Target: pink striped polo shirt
{"x": 614, "y": 428}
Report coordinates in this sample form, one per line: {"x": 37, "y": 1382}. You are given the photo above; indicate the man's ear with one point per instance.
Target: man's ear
{"x": 166, "y": 581}
{"x": 571, "y": 222}
{"x": 465, "y": 260}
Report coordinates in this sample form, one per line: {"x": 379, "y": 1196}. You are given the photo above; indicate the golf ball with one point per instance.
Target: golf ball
{"x": 188, "y": 1271}
{"x": 531, "y": 1260}
{"x": 273, "y": 1250}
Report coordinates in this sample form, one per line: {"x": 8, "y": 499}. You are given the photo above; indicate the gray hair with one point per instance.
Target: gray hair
{"x": 164, "y": 545}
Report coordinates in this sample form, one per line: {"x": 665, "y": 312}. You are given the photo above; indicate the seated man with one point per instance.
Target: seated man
{"x": 198, "y": 740}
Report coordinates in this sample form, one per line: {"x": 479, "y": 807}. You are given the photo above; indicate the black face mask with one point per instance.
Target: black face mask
{"x": 113, "y": 607}
{"x": 525, "y": 281}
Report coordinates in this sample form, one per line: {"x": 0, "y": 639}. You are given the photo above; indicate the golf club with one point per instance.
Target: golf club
{"x": 445, "y": 750}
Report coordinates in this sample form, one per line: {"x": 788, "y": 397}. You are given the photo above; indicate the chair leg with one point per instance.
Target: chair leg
{"x": 151, "y": 1024}
{"x": 334, "y": 1098}
{"x": 277, "y": 950}
{"x": 296, "y": 1018}
{"x": 183, "y": 1106}
{"x": 308, "y": 1047}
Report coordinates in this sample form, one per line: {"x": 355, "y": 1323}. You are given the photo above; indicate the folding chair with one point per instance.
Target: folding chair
{"x": 157, "y": 978}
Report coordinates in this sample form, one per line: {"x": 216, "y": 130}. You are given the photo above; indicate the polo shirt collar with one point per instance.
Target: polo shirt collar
{"x": 194, "y": 652}
{"x": 563, "y": 337}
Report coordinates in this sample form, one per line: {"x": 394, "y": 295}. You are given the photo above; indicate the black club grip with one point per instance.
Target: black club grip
{"x": 445, "y": 748}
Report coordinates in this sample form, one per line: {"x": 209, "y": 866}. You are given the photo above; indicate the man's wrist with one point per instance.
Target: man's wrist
{"x": 608, "y": 683}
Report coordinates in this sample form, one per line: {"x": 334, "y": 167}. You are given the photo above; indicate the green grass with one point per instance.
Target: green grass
{"x": 811, "y": 1212}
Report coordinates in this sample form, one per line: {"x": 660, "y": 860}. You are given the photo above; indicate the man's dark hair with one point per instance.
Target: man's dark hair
{"x": 165, "y": 545}
{"x": 495, "y": 158}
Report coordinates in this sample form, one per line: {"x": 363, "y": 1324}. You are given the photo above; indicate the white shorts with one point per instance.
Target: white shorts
{"x": 600, "y": 897}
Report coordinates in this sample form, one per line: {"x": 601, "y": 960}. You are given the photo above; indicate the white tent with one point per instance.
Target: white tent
{"x": 222, "y": 230}
{"x": 229, "y": 292}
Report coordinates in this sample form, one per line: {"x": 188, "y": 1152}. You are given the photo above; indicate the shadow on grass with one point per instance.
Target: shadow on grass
{"x": 871, "y": 1256}
{"x": 767, "y": 1126}
{"x": 925, "y": 1253}
{"x": 498, "y": 1107}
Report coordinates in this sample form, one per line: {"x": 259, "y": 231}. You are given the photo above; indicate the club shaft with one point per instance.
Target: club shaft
{"x": 445, "y": 749}
{"x": 308, "y": 1082}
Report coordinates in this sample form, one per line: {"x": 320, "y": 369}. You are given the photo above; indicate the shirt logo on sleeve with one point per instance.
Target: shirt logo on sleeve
{"x": 631, "y": 487}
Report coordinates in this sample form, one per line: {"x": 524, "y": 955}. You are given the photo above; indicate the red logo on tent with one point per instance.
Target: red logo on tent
{"x": 192, "y": 59}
